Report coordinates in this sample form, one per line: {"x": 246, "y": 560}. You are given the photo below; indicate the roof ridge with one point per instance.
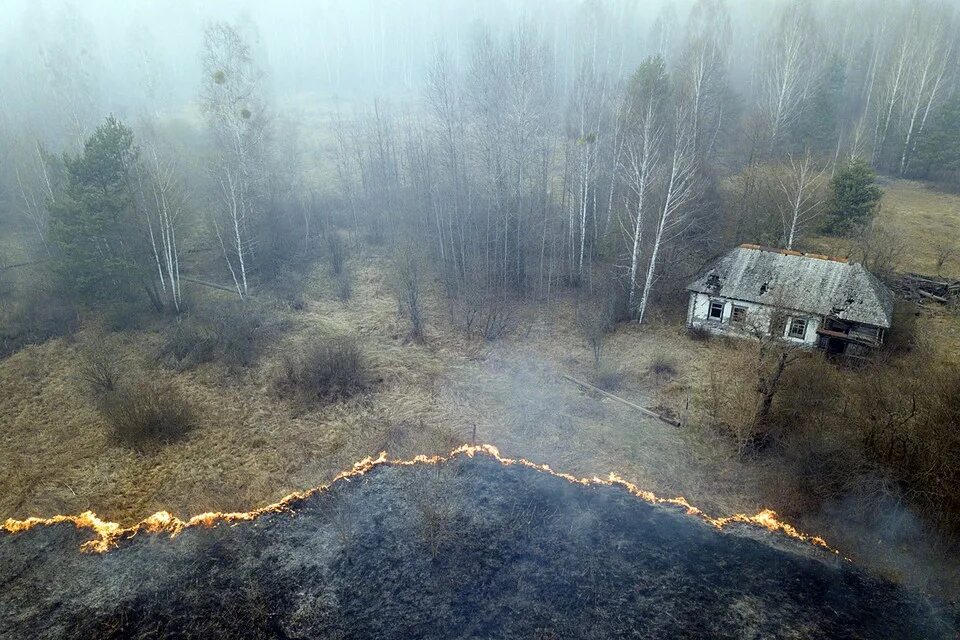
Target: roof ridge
{"x": 793, "y": 252}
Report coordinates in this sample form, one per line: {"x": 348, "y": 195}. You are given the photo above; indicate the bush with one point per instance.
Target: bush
{"x": 230, "y": 333}
{"x": 344, "y": 286}
{"x": 240, "y": 330}
{"x": 337, "y": 252}
{"x": 662, "y": 367}
{"x": 187, "y": 344}
{"x": 147, "y": 413}
{"x": 101, "y": 369}
{"x": 328, "y": 370}
{"x": 408, "y": 277}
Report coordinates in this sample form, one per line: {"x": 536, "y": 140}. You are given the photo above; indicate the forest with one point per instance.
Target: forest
{"x": 241, "y": 248}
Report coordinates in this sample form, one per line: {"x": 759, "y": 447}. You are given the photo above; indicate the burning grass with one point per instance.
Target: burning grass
{"x": 109, "y": 534}
{"x": 457, "y": 546}
{"x": 248, "y": 446}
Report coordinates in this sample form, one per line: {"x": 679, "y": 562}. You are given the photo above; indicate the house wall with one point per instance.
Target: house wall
{"x": 758, "y": 316}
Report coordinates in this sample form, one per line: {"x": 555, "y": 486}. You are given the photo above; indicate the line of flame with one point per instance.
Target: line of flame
{"x": 110, "y": 534}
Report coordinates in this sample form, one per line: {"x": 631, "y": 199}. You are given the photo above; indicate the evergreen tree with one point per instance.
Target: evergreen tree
{"x": 854, "y": 197}
{"x": 818, "y": 124}
{"x": 939, "y": 146}
{"x": 93, "y": 224}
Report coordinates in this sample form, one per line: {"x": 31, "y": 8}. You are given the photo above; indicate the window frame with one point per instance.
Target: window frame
{"x": 790, "y": 330}
{"x": 723, "y": 307}
{"x": 733, "y": 314}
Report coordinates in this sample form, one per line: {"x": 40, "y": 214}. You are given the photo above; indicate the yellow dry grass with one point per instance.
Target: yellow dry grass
{"x": 250, "y": 447}
{"x": 922, "y": 218}
{"x": 925, "y": 219}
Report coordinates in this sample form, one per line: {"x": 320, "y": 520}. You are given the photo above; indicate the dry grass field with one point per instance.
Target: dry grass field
{"x": 925, "y": 220}
{"x": 250, "y": 447}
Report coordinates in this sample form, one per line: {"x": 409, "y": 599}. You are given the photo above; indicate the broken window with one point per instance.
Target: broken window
{"x": 716, "y": 309}
{"x": 738, "y": 315}
{"x": 798, "y": 328}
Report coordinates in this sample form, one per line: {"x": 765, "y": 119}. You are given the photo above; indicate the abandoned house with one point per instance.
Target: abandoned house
{"x": 811, "y": 299}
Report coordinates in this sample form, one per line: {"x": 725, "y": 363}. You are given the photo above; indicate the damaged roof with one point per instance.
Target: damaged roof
{"x": 810, "y": 283}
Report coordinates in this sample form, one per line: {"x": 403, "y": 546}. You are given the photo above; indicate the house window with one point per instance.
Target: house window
{"x": 798, "y": 328}
{"x": 716, "y": 309}
{"x": 738, "y": 315}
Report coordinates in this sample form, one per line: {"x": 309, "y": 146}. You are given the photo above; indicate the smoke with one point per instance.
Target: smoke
{"x": 873, "y": 520}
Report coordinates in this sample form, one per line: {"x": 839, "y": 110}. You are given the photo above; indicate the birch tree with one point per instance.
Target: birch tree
{"x": 786, "y": 70}
{"x": 35, "y": 176}
{"x": 161, "y": 202}
{"x": 800, "y": 183}
{"x": 641, "y": 155}
{"x": 232, "y": 101}
{"x": 702, "y": 68}
{"x": 933, "y": 59}
{"x": 681, "y": 190}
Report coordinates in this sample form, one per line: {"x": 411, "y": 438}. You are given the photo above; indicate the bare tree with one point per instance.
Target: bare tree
{"x": 775, "y": 354}
{"x": 35, "y": 189}
{"x": 232, "y": 101}
{"x": 408, "y": 287}
{"x": 680, "y": 193}
{"x": 702, "y": 68}
{"x": 787, "y": 69}
{"x": 161, "y": 201}
{"x": 947, "y": 252}
{"x": 800, "y": 182}
{"x": 933, "y": 43}
{"x": 641, "y": 157}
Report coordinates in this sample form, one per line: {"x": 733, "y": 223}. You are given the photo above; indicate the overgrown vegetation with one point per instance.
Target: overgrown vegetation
{"x": 541, "y": 188}
{"x": 326, "y": 370}
{"x": 146, "y": 413}
{"x": 232, "y": 333}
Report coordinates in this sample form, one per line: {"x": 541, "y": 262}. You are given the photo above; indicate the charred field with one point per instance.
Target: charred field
{"x": 466, "y": 548}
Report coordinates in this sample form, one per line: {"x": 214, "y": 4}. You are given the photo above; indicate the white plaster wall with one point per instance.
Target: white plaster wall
{"x": 698, "y": 313}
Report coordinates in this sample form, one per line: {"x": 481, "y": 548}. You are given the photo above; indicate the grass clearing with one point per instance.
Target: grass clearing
{"x": 248, "y": 447}
{"x": 922, "y": 217}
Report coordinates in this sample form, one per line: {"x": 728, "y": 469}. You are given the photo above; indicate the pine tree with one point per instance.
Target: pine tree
{"x": 939, "y": 146}
{"x": 93, "y": 224}
{"x": 854, "y": 197}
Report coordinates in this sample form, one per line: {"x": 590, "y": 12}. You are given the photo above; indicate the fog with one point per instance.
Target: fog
{"x": 278, "y": 194}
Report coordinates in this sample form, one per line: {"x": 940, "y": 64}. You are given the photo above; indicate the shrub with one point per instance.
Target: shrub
{"x": 328, "y": 370}
{"x": 240, "y": 329}
{"x": 408, "y": 288}
{"x": 344, "y": 286}
{"x": 101, "y": 368}
{"x": 147, "y": 413}
{"x": 187, "y": 344}
{"x": 337, "y": 252}
{"x": 595, "y": 321}
{"x": 288, "y": 288}
{"x": 662, "y": 366}
{"x": 230, "y": 333}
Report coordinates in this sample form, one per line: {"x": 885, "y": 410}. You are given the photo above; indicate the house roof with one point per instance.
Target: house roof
{"x": 810, "y": 283}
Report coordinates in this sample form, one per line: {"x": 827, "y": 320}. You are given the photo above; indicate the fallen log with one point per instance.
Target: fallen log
{"x": 632, "y": 405}
{"x": 212, "y": 285}
{"x": 927, "y": 294}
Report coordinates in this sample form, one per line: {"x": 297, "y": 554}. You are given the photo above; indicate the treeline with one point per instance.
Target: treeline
{"x": 527, "y": 179}
{"x": 527, "y": 165}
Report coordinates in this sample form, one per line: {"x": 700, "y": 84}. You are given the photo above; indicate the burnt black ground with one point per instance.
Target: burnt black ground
{"x": 472, "y": 549}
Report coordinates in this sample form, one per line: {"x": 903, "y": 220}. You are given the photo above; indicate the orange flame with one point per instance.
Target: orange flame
{"x": 109, "y": 534}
